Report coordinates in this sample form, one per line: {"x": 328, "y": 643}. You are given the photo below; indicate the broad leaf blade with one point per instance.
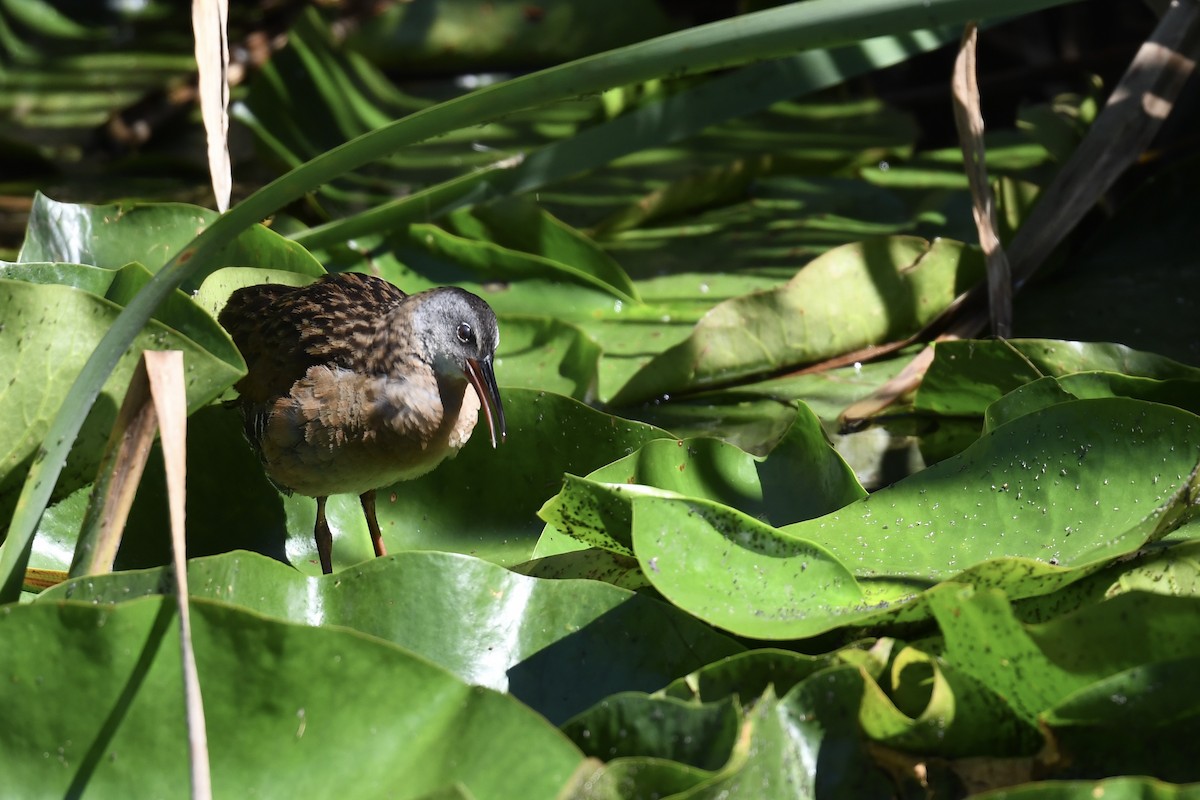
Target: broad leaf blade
{"x": 343, "y": 709}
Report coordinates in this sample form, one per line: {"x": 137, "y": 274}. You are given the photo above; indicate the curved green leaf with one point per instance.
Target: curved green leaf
{"x": 805, "y": 744}
{"x": 1011, "y": 511}
{"x": 699, "y": 735}
{"x": 42, "y": 362}
{"x": 1179, "y": 392}
{"x": 520, "y": 225}
{"x": 214, "y": 292}
{"x": 1170, "y": 566}
{"x": 1037, "y": 667}
{"x": 739, "y": 574}
{"x": 488, "y": 260}
{"x": 802, "y": 478}
{"x": 487, "y": 625}
{"x": 547, "y": 353}
{"x": 851, "y": 297}
{"x": 95, "y": 280}
{"x": 119, "y": 285}
{"x": 748, "y": 675}
{"x": 1132, "y": 722}
{"x": 337, "y": 709}
{"x": 1043, "y": 487}
{"x": 111, "y": 236}
{"x": 968, "y": 376}
{"x": 593, "y": 563}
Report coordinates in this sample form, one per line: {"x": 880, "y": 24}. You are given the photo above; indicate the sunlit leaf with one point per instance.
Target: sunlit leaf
{"x": 851, "y": 297}
{"x": 114, "y": 235}
{"x": 488, "y": 626}
{"x": 333, "y": 708}
{"x": 1022, "y": 483}
{"x": 42, "y": 363}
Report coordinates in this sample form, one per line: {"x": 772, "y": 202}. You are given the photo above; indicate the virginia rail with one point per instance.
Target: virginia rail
{"x": 353, "y": 385}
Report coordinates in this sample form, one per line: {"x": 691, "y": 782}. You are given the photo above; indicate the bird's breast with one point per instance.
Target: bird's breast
{"x": 338, "y": 431}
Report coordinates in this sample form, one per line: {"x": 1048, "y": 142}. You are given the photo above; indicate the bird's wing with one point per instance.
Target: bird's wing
{"x": 281, "y": 331}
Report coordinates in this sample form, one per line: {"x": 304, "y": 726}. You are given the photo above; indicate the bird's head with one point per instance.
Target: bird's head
{"x": 460, "y": 337}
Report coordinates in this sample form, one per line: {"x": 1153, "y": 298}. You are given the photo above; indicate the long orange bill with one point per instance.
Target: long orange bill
{"x": 483, "y": 378}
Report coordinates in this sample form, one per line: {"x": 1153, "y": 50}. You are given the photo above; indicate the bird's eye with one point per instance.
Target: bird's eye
{"x": 465, "y": 334}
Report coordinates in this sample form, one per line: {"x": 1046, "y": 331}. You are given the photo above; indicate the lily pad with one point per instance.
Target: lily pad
{"x": 968, "y": 376}
{"x": 1131, "y": 722}
{"x": 1010, "y": 511}
{"x": 802, "y": 478}
{"x": 111, "y": 236}
{"x": 539, "y": 639}
{"x": 521, "y": 225}
{"x": 1179, "y": 392}
{"x": 851, "y": 297}
{"x": 548, "y": 354}
{"x": 43, "y": 363}
{"x": 344, "y": 709}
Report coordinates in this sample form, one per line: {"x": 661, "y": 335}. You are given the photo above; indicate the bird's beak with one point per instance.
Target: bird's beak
{"x": 483, "y": 378}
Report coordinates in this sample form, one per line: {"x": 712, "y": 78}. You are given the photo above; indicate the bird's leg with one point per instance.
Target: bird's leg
{"x": 324, "y": 538}
{"x": 368, "y": 505}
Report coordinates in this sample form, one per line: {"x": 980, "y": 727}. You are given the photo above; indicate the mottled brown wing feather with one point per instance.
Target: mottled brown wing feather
{"x": 281, "y": 331}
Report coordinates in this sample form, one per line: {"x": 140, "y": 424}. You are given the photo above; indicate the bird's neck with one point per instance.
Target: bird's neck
{"x": 396, "y": 349}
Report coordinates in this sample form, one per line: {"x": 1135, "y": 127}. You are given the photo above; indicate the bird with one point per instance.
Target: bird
{"x": 353, "y": 385}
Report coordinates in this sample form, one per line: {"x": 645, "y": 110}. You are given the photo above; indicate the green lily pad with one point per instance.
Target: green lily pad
{"x": 545, "y": 353}
{"x": 739, "y": 574}
{"x": 1170, "y": 566}
{"x": 43, "y": 363}
{"x": 699, "y": 735}
{"x": 968, "y": 376}
{"x": 178, "y": 311}
{"x": 1021, "y": 484}
{"x": 1179, "y": 392}
{"x": 1044, "y": 487}
{"x": 592, "y": 563}
{"x": 851, "y": 297}
{"x": 215, "y": 290}
{"x": 748, "y": 675}
{"x": 1131, "y": 722}
{"x": 521, "y": 225}
{"x": 111, "y": 236}
{"x": 535, "y": 638}
{"x": 805, "y": 745}
{"x": 801, "y": 479}
{"x": 334, "y": 708}
{"x": 1035, "y": 668}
